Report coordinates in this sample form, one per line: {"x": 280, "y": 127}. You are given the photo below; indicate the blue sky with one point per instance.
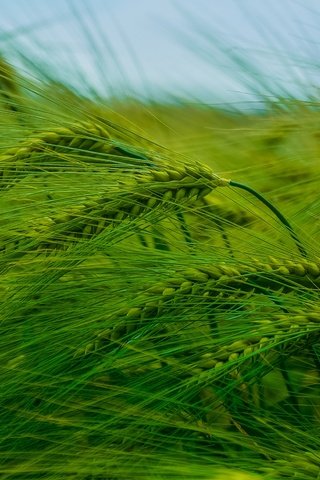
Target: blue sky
{"x": 193, "y": 48}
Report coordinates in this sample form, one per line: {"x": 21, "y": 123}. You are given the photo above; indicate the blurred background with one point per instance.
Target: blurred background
{"x": 209, "y": 51}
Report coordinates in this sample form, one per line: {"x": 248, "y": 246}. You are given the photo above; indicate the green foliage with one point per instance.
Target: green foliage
{"x": 154, "y": 324}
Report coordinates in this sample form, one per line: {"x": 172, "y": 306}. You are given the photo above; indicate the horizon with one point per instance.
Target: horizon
{"x": 169, "y": 51}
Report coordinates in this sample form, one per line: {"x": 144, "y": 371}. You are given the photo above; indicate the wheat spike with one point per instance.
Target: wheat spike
{"x": 77, "y": 146}
{"x": 225, "y": 283}
{"x": 142, "y": 194}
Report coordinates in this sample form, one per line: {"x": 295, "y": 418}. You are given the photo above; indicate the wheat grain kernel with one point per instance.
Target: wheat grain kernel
{"x": 294, "y": 327}
{"x": 134, "y": 312}
{"x": 180, "y": 194}
{"x": 312, "y": 269}
{"x": 175, "y": 281}
{"x": 168, "y": 292}
{"x": 193, "y": 194}
{"x": 249, "y": 350}
{"x": 175, "y": 174}
{"x": 76, "y": 142}
{"x": 283, "y": 271}
{"x": 195, "y": 275}
{"x": 300, "y": 319}
{"x": 62, "y": 218}
{"x": 89, "y": 348}
{"x": 264, "y": 341}
{"x": 207, "y": 355}
{"x": 63, "y": 132}
{"x": 238, "y": 346}
{"x": 212, "y": 271}
{"x": 233, "y": 357}
{"x": 300, "y": 270}
{"x": 5, "y": 158}
{"x": 36, "y": 144}
{"x": 23, "y": 152}
{"x": 295, "y": 268}
{"x": 279, "y": 336}
{"x": 100, "y": 226}
{"x": 50, "y": 137}
{"x": 152, "y": 202}
{"x": 229, "y": 271}
{"x": 207, "y": 363}
{"x": 219, "y": 365}
{"x": 167, "y": 196}
{"x": 185, "y": 287}
{"x": 187, "y": 180}
{"x": 273, "y": 260}
{"x": 161, "y": 175}
{"x": 314, "y": 317}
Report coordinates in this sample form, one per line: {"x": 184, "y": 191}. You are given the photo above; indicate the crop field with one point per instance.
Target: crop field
{"x": 159, "y": 287}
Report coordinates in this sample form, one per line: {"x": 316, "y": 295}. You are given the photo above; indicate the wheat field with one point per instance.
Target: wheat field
{"x": 159, "y": 287}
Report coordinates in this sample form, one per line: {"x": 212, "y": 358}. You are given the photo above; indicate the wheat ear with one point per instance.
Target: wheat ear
{"x": 167, "y": 188}
{"x": 75, "y": 147}
{"x": 222, "y": 282}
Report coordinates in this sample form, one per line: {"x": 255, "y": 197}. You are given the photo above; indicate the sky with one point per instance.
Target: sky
{"x": 210, "y": 51}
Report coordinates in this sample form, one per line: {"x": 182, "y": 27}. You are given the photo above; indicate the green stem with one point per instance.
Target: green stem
{"x": 277, "y": 213}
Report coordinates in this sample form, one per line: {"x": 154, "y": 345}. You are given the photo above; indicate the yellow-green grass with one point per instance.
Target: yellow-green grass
{"x": 154, "y": 325}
